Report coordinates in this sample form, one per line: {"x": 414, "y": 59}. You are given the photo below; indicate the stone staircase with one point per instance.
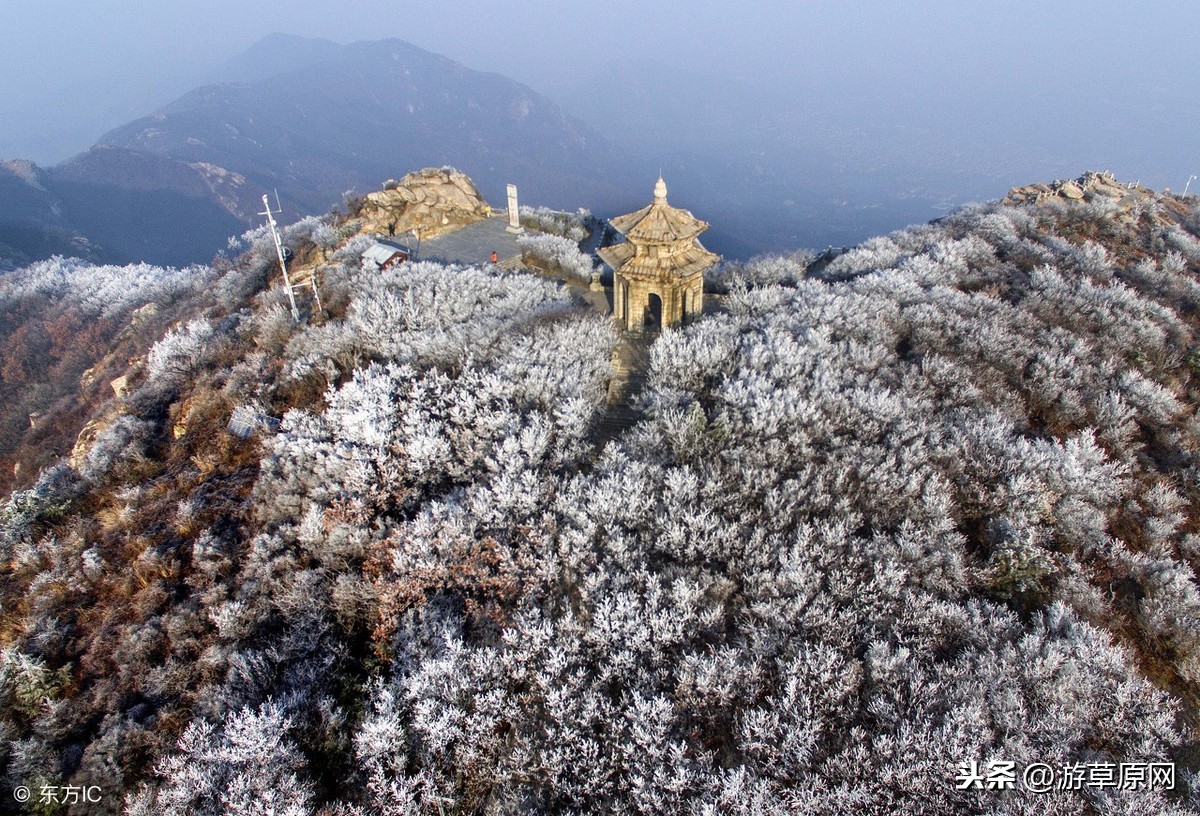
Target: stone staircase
{"x": 511, "y": 263}
{"x": 630, "y": 362}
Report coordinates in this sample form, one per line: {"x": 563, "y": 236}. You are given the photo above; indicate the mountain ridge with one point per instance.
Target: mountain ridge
{"x": 336, "y": 118}
{"x": 892, "y": 496}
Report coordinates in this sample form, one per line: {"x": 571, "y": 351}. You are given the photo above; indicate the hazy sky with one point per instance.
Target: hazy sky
{"x": 69, "y": 70}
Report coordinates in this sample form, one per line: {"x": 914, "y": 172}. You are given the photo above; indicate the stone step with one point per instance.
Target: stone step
{"x": 620, "y": 418}
{"x": 613, "y": 424}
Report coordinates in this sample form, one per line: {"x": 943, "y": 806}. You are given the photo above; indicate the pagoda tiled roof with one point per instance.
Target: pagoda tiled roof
{"x": 682, "y": 264}
{"x": 616, "y": 255}
{"x": 659, "y": 223}
{"x": 667, "y": 238}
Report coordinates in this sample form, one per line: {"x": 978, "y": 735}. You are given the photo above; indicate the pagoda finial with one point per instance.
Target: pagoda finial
{"x": 660, "y": 191}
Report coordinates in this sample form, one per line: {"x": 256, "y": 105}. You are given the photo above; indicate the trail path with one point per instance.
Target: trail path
{"x": 630, "y": 363}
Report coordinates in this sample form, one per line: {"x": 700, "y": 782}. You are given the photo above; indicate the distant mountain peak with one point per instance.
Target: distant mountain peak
{"x": 371, "y": 110}
{"x": 25, "y": 170}
{"x": 277, "y": 53}
{"x": 312, "y": 119}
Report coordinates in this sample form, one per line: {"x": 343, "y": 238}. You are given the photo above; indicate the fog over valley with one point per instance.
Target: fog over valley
{"x": 787, "y": 125}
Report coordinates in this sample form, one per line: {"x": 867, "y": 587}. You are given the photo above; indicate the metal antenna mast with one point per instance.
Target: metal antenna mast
{"x": 316, "y": 292}
{"x": 287, "y": 281}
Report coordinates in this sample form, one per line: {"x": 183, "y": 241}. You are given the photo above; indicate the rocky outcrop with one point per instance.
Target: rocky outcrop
{"x": 1088, "y": 187}
{"x": 86, "y": 440}
{"x": 431, "y": 201}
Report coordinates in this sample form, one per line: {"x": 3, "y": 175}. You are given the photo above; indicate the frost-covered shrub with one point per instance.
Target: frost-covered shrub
{"x": 786, "y": 270}
{"x": 352, "y": 250}
{"x": 936, "y": 507}
{"x": 560, "y": 254}
{"x": 1170, "y": 610}
{"x": 256, "y": 237}
{"x": 102, "y": 291}
{"x": 247, "y": 766}
{"x": 425, "y": 310}
{"x": 871, "y": 255}
{"x": 563, "y": 224}
{"x": 26, "y": 685}
{"x": 53, "y": 493}
{"x": 180, "y": 352}
{"x": 122, "y": 440}
{"x": 306, "y": 229}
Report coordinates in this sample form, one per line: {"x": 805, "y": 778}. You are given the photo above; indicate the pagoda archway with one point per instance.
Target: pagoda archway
{"x": 654, "y": 312}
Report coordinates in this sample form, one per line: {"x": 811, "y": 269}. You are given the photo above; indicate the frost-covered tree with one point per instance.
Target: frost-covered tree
{"x": 247, "y": 767}
{"x": 927, "y": 502}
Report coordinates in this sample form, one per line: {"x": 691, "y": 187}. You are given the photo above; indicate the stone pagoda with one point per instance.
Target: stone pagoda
{"x": 658, "y": 272}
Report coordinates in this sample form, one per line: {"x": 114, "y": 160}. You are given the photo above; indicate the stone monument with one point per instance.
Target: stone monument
{"x": 514, "y": 212}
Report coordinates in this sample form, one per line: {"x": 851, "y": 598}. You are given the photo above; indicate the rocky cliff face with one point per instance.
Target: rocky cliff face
{"x": 430, "y": 202}
{"x": 115, "y": 205}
